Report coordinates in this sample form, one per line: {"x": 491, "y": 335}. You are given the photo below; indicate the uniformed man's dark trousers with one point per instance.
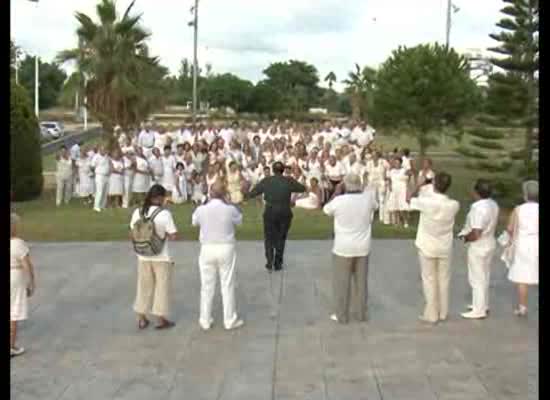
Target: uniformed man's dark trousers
{"x": 276, "y": 226}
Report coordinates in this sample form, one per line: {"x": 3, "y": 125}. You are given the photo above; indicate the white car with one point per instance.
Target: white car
{"x": 54, "y": 129}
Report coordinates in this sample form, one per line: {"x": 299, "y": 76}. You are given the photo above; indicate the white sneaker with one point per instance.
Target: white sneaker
{"x": 205, "y": 327}
{"x": 406, "y": 226}
{"x": 236, "y": 325}
{"x": 521, "y": 311}
{"x": 16, "y": 351}
{"x": 473, "y": 315}
{"x": 97, "y": 209}
{"x": 334, "y": 318}
{"x": 471, "y": 307}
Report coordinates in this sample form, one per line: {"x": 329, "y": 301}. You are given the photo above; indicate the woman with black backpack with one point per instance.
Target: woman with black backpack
{"x": 151, "y": 227}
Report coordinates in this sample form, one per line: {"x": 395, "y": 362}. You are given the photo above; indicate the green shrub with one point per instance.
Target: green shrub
{"x": 25, "y": 148}
{"x": 487, "y": 145}
{"x": 467, "y": 152}
{"x": 484, "y": 133}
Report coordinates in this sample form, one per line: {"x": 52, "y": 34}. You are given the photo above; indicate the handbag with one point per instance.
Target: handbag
{"x": 508, "y": 242}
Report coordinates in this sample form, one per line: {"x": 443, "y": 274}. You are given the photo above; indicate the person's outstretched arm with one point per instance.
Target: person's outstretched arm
{"x": 256, "y": 191}
{"x": 296, "y": 187}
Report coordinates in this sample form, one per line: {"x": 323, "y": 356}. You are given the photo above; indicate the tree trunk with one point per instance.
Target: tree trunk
{"x": 355, "y": 107}
{"x": 108, "y": 136}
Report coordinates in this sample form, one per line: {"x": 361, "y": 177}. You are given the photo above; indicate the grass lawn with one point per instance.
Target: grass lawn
{"x": 42, "y": 221}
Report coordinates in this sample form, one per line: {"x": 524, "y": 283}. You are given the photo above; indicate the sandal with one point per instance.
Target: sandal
{"x": 165, "y": 325}
{"x": 16, "y": 351}
{"x": 143, "y": 323}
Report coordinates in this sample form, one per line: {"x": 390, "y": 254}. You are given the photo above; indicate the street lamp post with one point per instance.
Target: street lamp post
{"x": 36, "y": 85}
{"x": 195, "y": 9}
{"x": 448, "y": 26}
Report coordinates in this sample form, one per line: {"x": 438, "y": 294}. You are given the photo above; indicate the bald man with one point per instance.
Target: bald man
{"x": 217, "y": 220}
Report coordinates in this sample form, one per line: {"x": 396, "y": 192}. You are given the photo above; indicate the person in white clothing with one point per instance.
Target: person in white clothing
{"x": 154, "y": 273}
{"x": 311, "y": 200}
{"x": 157, "y": 167}
{"x": 116, "y": 180}
{"x": 397, "y": 179}
{"x": 102, "y": 169}
{"x": 146, "y": 140}
{"x": 376, "y": 171}
{"x": 353, "y": 212}
{"x": 168, "y": 179}
{"x": 434, "y": 241}
{"x": 142, "y": 176}
{"x": 85, "y": 181}
{"x": 22, "y": 283}
{"x": 129, "y": 163}
{"x": 479, "y": 234}
{"x": 64, "y": 177}
{"x": 217, "y": 220}
{"x": 523, "y": 229}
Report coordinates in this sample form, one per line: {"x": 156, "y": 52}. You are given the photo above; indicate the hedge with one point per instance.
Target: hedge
{"x": 25, "y": 148}
{"x": 487, "y": 145}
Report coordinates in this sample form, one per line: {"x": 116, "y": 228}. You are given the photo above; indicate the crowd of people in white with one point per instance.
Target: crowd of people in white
{"x": 188, "y": 160}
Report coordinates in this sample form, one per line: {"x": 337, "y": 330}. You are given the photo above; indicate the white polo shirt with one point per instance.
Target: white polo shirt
{"x": 334, "y": 171}
{"x": 483, "y": 215}
{"x": 164, "y": 224}
{"x": 217, "y": 222}
{"x": 434, "y": 237}
{"x": 353, "y": 214}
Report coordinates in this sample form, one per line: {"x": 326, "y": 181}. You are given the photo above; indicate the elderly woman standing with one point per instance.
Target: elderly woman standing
{"x": 22, "y": 283}
{"x": 523, "y": 229}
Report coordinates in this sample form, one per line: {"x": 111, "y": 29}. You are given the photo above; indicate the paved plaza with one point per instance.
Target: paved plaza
{"x": 83, "y": 342}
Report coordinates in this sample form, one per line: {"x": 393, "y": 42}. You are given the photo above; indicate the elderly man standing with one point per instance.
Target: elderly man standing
{"x": 102, "y": 168}
{"x": 217, "y": 221}
{"x": 479, "y": 235}
{"x": 353, "y": 214}
{"x": 434, "y": 241}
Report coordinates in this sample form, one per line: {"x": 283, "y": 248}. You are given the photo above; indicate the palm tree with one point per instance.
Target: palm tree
{"x": 330, "y": 78}
{"x": 359, "y": 85}
{"x": 122, "y": 81}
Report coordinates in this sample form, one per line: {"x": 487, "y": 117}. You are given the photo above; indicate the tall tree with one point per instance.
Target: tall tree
{"x": 423, "y": 89}
{"x": 518, "y": 51}
{"x": 360, "y": 84}
{"x": 330, "y": 78}
{"x": 227, "y": 90}
{"x": 123, "y": 83}
{"x": 296, "y": 82}
{"x": 51, "y": 78}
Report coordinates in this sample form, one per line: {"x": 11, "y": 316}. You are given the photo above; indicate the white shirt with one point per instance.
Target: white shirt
{"x": 434, "y": 237}
{"x": 164, "y": 225}
{"x": 217, "y": 222}
{"x": 146, "y": 139}
{"x": 18, "y": 251}
{"x": 353, "y": 214}
{"x": 483, "y": 215}
{"x": 334, "y": 171}
{"x": 64, "y": 168}
{"x": 75, "y": 152}
{"x": 101, "y": 164}
{"x": 156, "y": 166}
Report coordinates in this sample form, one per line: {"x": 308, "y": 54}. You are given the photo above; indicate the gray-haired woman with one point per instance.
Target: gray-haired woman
{"x": 523, "y": 228}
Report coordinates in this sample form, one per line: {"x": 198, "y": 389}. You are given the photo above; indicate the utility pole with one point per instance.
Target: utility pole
{"x": 36, "y": 85}
{"x": 448, "y": 27}
{"x": 195, "y": 9}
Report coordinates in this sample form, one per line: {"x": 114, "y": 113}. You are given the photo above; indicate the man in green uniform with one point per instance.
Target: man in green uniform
{"x": 277, "y": 190}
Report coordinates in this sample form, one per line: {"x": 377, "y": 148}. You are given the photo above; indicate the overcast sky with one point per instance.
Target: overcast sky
{"x": 244, "y": 36}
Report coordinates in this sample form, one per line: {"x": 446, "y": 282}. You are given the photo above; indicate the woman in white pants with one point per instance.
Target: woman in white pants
{"x": 377, "y": 180}
{"x": 154, "y": 276}
{"x": 102, "y": 169}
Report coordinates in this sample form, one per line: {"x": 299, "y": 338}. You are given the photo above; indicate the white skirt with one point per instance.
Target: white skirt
{"x": 397, "y": 199}
{"x": 19, "y": 303}
{"x": 85, "y": 186}
{"x": 116, "y": 185}
{"x": 525, "y": 265}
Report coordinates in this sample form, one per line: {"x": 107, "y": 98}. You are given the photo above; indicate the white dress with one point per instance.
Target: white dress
{"x": 311, "y": 202}
{"x": 168, "y": 176}
{"x": 85, "y": 186}
{"x": 142, "y": 182}
{"x": 525, "y": 264}
{"x": 19, "y": 278}
{"x": 182, "y": 184}
{"x": 397, "y": 198}
{"x": 116, "y": 181}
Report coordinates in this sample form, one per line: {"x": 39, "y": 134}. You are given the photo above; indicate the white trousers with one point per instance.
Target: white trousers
{"x": 64, "y": 190}
{"x": 479, "y": 277}
{"x": 436, "y": 277}
{"x": 101, "y": 190}
{"x": 214, "y": 259}
{"x": 127, "y": 194}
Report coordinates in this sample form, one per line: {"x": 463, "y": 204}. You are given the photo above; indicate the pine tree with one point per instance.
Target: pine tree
{"x": 518, "y": 51}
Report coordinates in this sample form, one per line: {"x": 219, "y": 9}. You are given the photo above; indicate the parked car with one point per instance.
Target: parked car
{"x": 45, "y": 134}
{"x": 55, "y": 129}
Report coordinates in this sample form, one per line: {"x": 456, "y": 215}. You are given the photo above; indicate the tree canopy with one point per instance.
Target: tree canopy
{"x": 51, "y": 78}
{"x": 424, "y": 88}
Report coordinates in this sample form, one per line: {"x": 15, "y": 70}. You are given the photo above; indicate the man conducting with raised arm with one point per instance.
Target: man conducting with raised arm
{"x": 277, "y": 190}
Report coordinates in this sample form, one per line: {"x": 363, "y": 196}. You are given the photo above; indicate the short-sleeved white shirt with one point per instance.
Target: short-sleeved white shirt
{"x": 217, "y": 222}
{"x": 483, "y": 215}
{"x": 434, "y": 236}
{"x": 335, "y": 171}
{"x": 18, "y": 251}
{"x": 164, "y": 224}
{"x": 353, "y": 214}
